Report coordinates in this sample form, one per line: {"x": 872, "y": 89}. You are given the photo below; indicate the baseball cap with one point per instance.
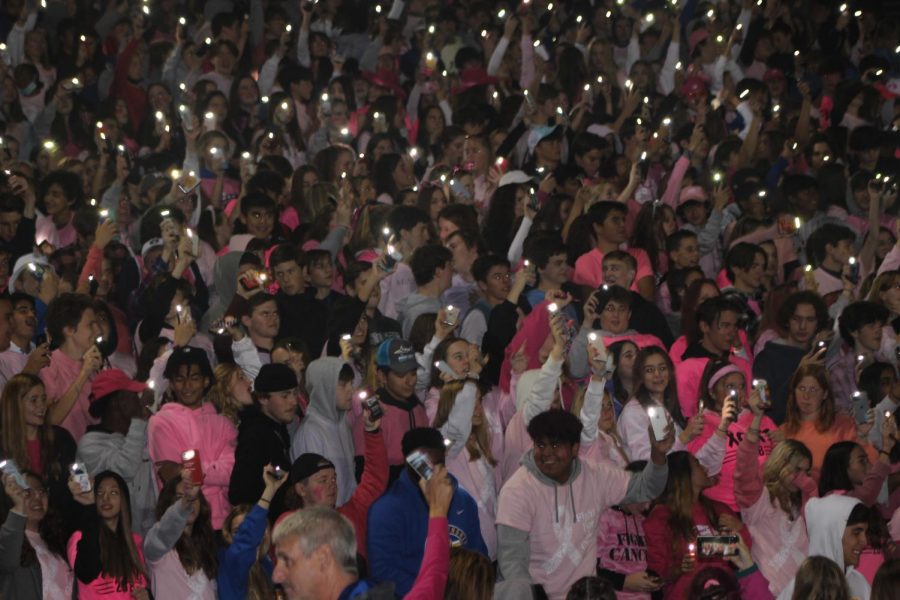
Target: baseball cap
{"x": 397, "y": 355}
{"x": 691, "y": 193}
{"x": 308, "y": 465}
{"x": 542, "y": 132}
{"x": 108, "y": 382}
{"x": 275, "y": 377}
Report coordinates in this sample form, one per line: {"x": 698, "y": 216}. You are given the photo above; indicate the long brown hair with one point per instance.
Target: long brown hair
{"x": 50, "y": 528}
{"x": 13, "y": 437}
{"x": 479, "y": 442}
{"x": 196, "y": 550}
{"x": 670, "y": 396}
{"x": 826, "y": 412}
{"x": 470, "y": 577}
{"x": 119, "y": 556}
{"x": 678, "y": 497}
{"x": 820, "y": 578}
{"x": 258, "y": 585}
{"x": 689, "y": 326}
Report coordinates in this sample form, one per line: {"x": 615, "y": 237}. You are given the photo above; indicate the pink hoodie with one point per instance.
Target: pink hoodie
{"x": 723, "y": 491}
{"x": 176, "y": 428}
{"x": 622, "y": 547}
{"x": 688, "y": 375}
{"x": 780, "y": 543}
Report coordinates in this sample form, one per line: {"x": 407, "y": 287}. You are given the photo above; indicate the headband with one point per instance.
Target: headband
{"x": 726, "y": 370}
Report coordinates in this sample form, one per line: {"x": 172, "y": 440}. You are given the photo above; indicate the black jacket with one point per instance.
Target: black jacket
{"x": 261, "y": 441}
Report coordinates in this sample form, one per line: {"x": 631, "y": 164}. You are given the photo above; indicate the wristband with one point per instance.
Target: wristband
{"x": 264, "y": 500}
{"x": 888, "y": 454}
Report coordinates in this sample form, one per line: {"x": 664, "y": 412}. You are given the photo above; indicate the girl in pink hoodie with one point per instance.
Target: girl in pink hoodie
{"x": 719, "y": 380}
{"x": 772, "y": 499}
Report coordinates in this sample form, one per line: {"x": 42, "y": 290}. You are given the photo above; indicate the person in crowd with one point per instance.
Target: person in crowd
{"x": 295, "y": 546}
{"x": 105, "y": 554}
{"x": 861, "y": 328}
{"x": 180, "y": 548}
{"x": 837, "y": 527}
{"x": 245, "y": 567}
{"x": 263, "y": 437}
{"x": 812, "y": 418}
{"x": 33, "y": 544}
{"x": 619, "y": 268}
{"x": 190, "y": 423}
{"x": 432, "y": 268}
{"x": 820, "y": 578}
{"x": 538, "y": 507}
{"x": 119, "y": 442}
{"x": 846, "y": 469}
{"x": 398, "y": 524}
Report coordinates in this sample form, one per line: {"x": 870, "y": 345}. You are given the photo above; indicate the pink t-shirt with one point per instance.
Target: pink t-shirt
{"x": 60, "y": 237}
{"x": 622, "y": 547}
{"x": 169, "y": 580}
{"x": 105, "y": 587}
{"x": 589, "y": 268}
{"x": 563, "y": 544}
{"x": 57, "y": 378}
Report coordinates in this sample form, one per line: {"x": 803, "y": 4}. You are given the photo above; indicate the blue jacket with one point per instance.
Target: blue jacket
{"x": 398, "y": 526}
{"x": 236, "y": 560}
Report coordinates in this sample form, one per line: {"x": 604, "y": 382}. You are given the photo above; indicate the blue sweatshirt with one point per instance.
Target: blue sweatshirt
{"x": 236, "y": 560}
{"x": 398, "y": 526}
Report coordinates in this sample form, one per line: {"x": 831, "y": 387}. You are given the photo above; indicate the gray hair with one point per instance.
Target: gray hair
{"x": 317, "y": 526}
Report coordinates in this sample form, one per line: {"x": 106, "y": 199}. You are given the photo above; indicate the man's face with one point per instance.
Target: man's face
{"x": 55, "y": 199}
{"x": 9, "y": 224}
{"x": 280, "y": 406}
{"x": 617, "y": 272}
{"x": 554, "y": 458}
{"x": 85, "y": 334}
{"x": 752, "y": 277}
{"x": 722, "y": 333}
{"x": 416, "y": 237}
{"x": 400, "y": 386}
{"x": 319, "y": 489}
{"x": 869, "y": 336}
{"x": 259, "y": 222}
{"x": 556, "y": 272}
{"x": 687, "y": 254}
{"x": 807, "y": 201}
{"x": 613, "y": 228}
{"x": 589, "y": 162}
{"x": 188, "y": 385}
{"x": 264, "y": 321}
{"x": 853, "y": 542}
{"x": 463, "y": 256}
{"x": 497, "y": 283}
{"x": 840, "y": 252}
{"x": 290, "y": 277}
{"x": 300, "y": 576}
{"x": 819, "y": 151}
{"x": 321, "y": 274}
{"x": 24, "y": 320}
{"x": 803, "y": 324}
{"x": 615, "y": 316}
{"x": 445, "y": 276}
{"x": 548, "y": 150}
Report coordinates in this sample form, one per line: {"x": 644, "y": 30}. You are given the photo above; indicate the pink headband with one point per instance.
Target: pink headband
{"x": 726, "y": 370}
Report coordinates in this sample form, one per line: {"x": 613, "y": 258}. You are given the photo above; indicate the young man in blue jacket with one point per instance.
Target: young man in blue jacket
{"x": 398, "y": 521}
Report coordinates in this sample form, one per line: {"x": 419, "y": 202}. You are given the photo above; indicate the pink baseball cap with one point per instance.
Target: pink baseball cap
{"x": 697, "y": 36}
{"x": 692, "y": 193}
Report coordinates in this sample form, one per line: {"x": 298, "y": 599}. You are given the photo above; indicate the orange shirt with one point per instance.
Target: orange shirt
{"x": 843, "y": 429}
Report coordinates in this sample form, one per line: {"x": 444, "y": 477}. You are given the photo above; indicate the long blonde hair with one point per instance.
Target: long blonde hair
{"x": 779, "y": 468}
{"x": 479, "y": 442}
{"x": 13, "y": 437}
{"x": 220, "y": 392}
{"x": 820, "y": 578}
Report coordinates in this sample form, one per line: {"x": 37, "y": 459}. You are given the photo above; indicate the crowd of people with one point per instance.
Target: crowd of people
{"x": 449, "y": 299}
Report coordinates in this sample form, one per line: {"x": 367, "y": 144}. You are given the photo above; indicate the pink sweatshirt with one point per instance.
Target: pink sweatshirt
{"x": 622, "y": 547}
{"x": 723, "y": 491}
{"x": 57, "y": 378}
{"x": 780, "y": 542}
{"x": 589, "y": 268}
{"x": 105, "y": 587}
{"x": 176, "y": 428}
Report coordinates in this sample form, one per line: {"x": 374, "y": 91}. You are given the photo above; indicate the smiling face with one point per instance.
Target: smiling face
{"x": 188, "y": 385}
{"x": 56, "y": 200}
{"x": 458, "y": 357}
{"x": 319, "y": 489}
{"x": 853, "y": 542}
{"x": 34, "y": 406}
{"x": 656, "y": 374}
{"x": 554, "y": 458}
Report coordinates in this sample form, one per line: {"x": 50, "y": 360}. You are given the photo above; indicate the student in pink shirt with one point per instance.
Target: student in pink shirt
{"x": 608, "y": 232}
{"x": 189, "y": 422}
{"x": 719, "y": 381}
{"x": 60, "y": 191}
{"x": 72, "y": 324}
{"x": 110, "y": 566}
{"x": 772, "y": 498}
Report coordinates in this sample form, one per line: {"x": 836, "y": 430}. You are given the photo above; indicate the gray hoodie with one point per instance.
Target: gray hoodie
{"x": 325, "y": 429}
{"x": 826, "y": 520}
{"x": 409, "y": 308}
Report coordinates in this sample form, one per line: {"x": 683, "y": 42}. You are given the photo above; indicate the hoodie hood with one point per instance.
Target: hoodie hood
{"x": 826, "y": 519}
{"x": 409, "y": 308}
{"x": 321, "y": 385}
{"x": 535, "y": 329}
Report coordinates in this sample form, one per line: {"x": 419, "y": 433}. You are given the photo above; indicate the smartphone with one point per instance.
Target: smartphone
{"x": 80, "y": 474}
{"x": 391, "y": 258}
{"x": 9, "y": 467}
{"x": 854, "y": 270}
{"x": 533, "y": 202}
{"x": 190, "y": 462}
{"x": 188, "y": 184}
{"x": 371, "y": 403}
{"x": 860, "y": 407}
{"x": 658, "y": 421}
{"x": 187, "y": 117}
{"x": 444, "y": 368}
{"x": 278, "y": 473}
{"x": 762, "y": 386}
{"x": 37, "y": 271}
{"x": 712, "y": 546}
{"x": 421, "y": 464}
{"x": 452, "y": 316}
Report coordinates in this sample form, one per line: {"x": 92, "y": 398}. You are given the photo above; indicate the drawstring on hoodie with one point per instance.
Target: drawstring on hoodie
{"x": 571, "y": 499}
